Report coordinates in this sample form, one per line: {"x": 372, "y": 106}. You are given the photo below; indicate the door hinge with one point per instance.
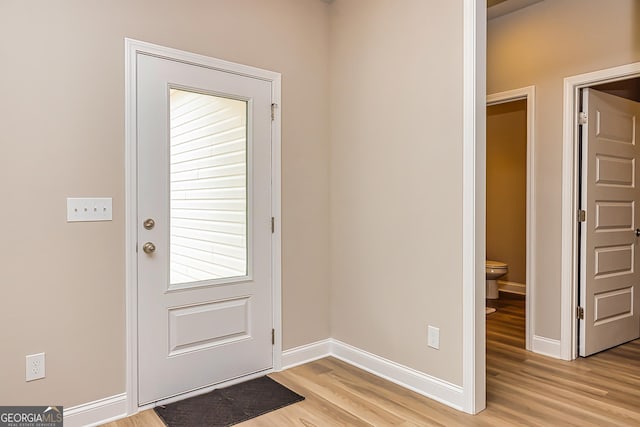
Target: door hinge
{"x": 580, "y": 313}
{"x": 273, "y": 225}
{"x": 582, "y": 215}
{"x": 582, "y": 118}
{"x": 273, "y": 111}
{"x": 273, "y": 337}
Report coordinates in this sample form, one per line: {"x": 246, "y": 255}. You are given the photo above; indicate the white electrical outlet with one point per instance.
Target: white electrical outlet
{"x": 91, "y": 209}
{"x": 35, "y": 367}
{"x": 433, "y": 337}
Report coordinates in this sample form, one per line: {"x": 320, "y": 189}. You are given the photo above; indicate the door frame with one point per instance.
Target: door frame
{"x": 474, "y": 79}
{"x": 132, "y": 48}
{"x": 527, "y": 93}
{"x": 570, "y": 186}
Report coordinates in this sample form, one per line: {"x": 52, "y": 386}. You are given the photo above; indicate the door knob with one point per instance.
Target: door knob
{"x": 149, "y": 223}
{"x": 638, "y": 232}
{"x": 149, "y": 248}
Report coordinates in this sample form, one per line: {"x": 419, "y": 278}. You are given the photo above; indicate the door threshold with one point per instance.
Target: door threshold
{"x": 204, "y": 390}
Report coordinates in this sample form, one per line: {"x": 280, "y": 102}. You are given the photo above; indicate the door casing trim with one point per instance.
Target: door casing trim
{"x": 473, "y": 205}
{"x": 570, "y": 249}
{"x": 529, "y": 94}
{"x": 132, "y": 48}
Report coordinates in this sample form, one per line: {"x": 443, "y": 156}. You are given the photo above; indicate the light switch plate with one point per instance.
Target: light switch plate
{"x": 89, "y": 209}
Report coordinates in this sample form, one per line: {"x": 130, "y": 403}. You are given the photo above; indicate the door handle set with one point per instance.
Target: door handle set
{"x": 149, "y": 247}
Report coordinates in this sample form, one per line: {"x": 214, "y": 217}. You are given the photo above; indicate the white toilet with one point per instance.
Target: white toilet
{"x": 494, "y": 270}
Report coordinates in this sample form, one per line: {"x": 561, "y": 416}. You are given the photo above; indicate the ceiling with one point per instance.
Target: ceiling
{"x": 497, "y": 8}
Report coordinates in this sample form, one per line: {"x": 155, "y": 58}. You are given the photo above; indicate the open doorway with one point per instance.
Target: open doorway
{"x": 586, "y": 260}
{"x": 506, "y": 215}
{"x": 510, "y": 206}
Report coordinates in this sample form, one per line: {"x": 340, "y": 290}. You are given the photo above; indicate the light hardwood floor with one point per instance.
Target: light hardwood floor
{"x": 522, "y": 389}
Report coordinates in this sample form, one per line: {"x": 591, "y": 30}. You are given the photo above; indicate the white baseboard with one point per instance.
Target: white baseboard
{"x": 115, "y": 407}
{"x": 512, "y": 287}
{"x": 97, "y": 412}
{"x": 546, "y": 346}
{"x": 421, "y": 383}
{"x": 426, "y": 385}
{"x": 306, "y": 353}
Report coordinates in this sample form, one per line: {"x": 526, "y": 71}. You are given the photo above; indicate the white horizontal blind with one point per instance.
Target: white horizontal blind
{"x": 208, "y": 185}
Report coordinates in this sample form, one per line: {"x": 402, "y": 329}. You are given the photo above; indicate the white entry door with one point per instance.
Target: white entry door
{"x": 204, "y": 226}
{"x": 610, "y": 272}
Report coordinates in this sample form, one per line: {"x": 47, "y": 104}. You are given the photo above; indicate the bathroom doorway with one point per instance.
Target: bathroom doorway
{"x": 510, "y": 202}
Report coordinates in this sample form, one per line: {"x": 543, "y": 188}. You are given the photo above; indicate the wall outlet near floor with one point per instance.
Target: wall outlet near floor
{"x": 35, "y": 367}
{"x": 433, "y": 337}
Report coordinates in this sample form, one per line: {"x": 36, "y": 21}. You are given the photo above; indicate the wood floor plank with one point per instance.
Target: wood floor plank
{"x": 523, "y": 389}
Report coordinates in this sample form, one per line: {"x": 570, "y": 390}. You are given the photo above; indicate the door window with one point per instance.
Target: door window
{"x": 208, "y": 187}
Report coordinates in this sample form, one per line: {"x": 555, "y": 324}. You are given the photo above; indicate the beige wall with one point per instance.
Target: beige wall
{"x": 396, "y": 180}
{"x": 62, "y": 109}
{"x": 541, "y": 45}
{"x": 507, "y": 187}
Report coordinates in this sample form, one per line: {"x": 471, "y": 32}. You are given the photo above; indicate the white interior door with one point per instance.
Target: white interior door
{"x": 204, "y": 226}
{"x": 610, "y": 274}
